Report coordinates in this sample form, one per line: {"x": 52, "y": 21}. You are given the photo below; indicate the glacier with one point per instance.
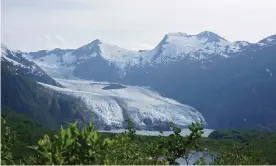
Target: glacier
{"x": 146, "y": 108}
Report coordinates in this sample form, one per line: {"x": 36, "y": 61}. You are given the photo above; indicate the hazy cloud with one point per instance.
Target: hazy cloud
{"x": 130, "y": 23}
{"x": 48, "y": 38}
{"x": 61, "y": 39}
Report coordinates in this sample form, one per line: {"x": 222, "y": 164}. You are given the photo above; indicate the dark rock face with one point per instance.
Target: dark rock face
{"x": 114, "y": 86}
{"x": 25, "y": 68}
{"x": 97, "y": 69}
{"x": 237, "y": 92}
{"x": 26, "y": 96}
{"x": 21, "y": 92}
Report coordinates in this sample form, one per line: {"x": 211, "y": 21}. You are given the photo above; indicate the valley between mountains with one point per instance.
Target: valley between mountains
{"x": 185, "y": 78}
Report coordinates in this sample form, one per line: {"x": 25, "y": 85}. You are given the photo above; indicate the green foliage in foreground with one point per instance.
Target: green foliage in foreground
{"x": 239, "y": 155}
{"x": 27, "y": 132}
{"x": 262, "y": 142}
{"x": 7, "y": 139}
{"x": 73, "y": 145}
{"x": 26, "y": 142}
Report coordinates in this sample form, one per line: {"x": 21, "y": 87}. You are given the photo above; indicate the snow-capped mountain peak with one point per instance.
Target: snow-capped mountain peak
{"x": 15, "y": 62}
{"x": 271, "y": 40}
{"x": 96, "y": 41}
{"x": 89, "y": 50}
{"x": 178, "y": 34}
{"x": 175, "y": 46}
{"x": 210, "y": 36}
{"x": 111, "y": 53}
{"x": 91, "y": 45}
{"x": 206, "y": 36}
{"x": 11, "y": 56}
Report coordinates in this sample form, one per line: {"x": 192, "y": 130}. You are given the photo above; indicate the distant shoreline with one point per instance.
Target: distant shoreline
{"x": 184, "y": 132}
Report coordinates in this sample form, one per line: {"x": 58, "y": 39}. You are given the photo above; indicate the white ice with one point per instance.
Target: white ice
{"x": 138, "y": 103}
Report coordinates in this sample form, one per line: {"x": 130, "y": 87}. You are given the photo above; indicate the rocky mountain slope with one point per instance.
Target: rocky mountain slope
{"x": 21, "y": 92}
{"x": 27, "y": 89}
{"x": 230, "y": 83}
{"x": 107, "y": 62}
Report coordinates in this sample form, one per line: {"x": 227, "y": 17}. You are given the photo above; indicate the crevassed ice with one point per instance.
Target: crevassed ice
{"x": 138, "y": 103}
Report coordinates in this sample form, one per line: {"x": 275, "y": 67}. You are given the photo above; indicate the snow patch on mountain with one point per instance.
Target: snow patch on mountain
{"x": 61, "y": 63}
{"x": 143, "y": 106}
{"x": 10, "y": 56}
{"x": 4, "y": 57}
{"x": 55, "y": 64}
{"x": 173, "y": 47}
{"x": 271, "y": 40}
{"x": 17, "y": 61}
{"x": 120, "y": 57}
{"x": 14, "y": 62}
{"x": 176, "y": 46}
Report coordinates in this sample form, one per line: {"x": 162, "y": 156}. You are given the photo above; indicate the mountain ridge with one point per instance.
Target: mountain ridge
{"x": 52, "y": 102}
{"x": 173, "y": 46}
{"x": 226, "y": 82}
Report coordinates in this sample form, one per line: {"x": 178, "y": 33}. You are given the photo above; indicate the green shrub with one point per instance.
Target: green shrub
{"x": 72, "y": 146}
{"x": 239, "y": 155}
{"x": 75, "y": 146}
{"x": 7, "y": 140}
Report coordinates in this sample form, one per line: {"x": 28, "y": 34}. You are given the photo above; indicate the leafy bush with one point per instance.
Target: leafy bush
{"x": 80, "y": 146}
{"x": 239, "y": 155}
{"x": 73, "y": 146}
{"x": 7, "y": 139}
{"x": 177, "y": 146}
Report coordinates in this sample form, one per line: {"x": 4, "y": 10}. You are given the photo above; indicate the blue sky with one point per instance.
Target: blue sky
{"x": 31, "y": 25}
